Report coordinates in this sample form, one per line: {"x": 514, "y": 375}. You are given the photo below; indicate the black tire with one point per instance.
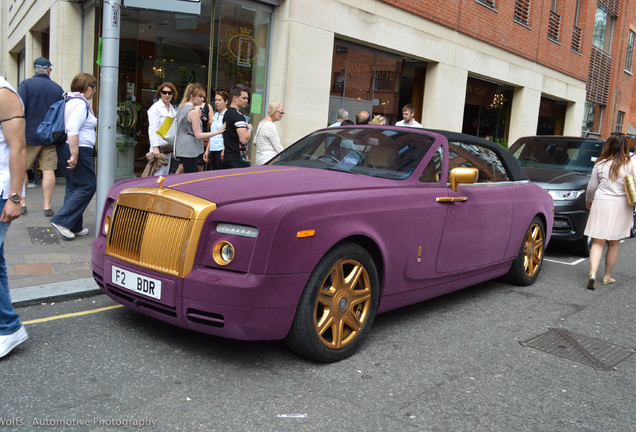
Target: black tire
{"x": 632, "y": 232}
{"x": 334, "y": 315}
{"x": 526, "y": 267}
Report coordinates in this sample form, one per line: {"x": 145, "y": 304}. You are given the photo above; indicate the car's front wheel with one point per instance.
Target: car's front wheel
{"x": 632, "y": 232}
{"x": 337, "y": 306}
{"x": 525, "y": 268}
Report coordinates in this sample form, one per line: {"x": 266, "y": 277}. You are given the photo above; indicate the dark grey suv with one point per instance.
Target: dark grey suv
{"x": 562, "y": 166}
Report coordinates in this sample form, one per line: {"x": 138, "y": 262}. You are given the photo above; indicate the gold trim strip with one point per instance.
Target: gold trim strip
{"x": 233, "y": 175}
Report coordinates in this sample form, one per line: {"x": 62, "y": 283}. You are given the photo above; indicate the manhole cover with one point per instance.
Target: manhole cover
{"x": 43, "y": 236}
{"x": 582, "y": 349}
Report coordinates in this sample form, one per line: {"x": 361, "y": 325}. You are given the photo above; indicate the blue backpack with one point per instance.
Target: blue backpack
{"x": 52, "y": 130}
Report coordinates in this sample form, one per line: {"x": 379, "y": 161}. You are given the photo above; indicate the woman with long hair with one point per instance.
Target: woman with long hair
{"x": 611, "y": 215}
{"x": 190, "y": 135}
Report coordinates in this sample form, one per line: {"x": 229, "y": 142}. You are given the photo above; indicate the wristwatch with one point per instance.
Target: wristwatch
{"x": 15, "y": 197}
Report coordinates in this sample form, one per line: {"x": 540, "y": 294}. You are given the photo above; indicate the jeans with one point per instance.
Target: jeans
{"x": 235, "y": 164}
{"x": 9, "y": 320}
{"x": 81, "y": 184}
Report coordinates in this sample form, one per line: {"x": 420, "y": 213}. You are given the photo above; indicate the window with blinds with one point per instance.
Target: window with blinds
{"x": 522, "y": 12}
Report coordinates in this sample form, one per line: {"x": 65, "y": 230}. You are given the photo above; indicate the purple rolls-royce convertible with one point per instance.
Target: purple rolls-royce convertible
{"x": 345, "y": 223}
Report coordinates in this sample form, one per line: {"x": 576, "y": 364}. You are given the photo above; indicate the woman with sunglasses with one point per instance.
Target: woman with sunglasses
{"x": 157, "y": 113}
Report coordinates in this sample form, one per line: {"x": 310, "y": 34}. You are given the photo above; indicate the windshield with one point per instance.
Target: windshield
{"x": 373, "y": 151}
{"x": 565, "y": 154}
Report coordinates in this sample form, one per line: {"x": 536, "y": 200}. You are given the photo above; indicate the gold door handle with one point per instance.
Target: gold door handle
{"x": 451, "y": 199}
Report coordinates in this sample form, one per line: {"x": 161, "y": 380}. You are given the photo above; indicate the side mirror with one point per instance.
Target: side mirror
{"x": 462, "y": 175}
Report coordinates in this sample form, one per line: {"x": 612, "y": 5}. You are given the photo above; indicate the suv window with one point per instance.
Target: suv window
{"x": 490, "y": 167}
{"x": 566, "y": 154}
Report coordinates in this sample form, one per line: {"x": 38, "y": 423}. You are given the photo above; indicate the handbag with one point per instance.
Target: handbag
{"x": 630, "y": 188}
{"x": 171, "y": 135}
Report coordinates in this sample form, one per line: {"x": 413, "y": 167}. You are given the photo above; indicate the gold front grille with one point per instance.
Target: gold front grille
{"x": 157, "y": 229}
{"x": 148, "y": 239}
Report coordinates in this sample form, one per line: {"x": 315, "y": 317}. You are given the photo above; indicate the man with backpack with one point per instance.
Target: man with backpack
{"x": 38, "y": 93}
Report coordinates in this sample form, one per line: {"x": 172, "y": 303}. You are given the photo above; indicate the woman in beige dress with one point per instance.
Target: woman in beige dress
{"x": 611, "y": 216}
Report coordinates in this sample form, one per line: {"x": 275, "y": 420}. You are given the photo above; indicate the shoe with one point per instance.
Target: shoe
{"x": 608, "y": 281}
{"x": 66, "y": 233}
{"x": 48, "y": 212}
{"x": 591, "y": 283}
{"x": 23, "y": 210}
{"x": 8, "y": 342}
{"x": 83, "y": 232}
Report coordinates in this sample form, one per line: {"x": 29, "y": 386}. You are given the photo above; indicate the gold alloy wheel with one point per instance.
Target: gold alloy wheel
{"x": 343, "y": 304}
{"x": 533, "y": 250}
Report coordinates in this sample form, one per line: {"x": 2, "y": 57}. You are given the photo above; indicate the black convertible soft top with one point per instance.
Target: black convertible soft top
{"x": 512, "y": 166}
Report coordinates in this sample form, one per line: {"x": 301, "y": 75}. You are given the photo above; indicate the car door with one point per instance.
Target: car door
{"x": 477, "y": 226}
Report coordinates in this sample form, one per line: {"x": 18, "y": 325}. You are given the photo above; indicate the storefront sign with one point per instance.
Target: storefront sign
{"x": 181, "y": 6}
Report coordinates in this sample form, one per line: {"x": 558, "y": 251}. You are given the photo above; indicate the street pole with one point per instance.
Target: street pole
{"x": 107, "y": 124}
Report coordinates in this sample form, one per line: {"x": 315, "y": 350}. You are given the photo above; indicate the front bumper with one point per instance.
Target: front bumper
{"x": 218, "y": 302}
{"x": 569, "y": 225}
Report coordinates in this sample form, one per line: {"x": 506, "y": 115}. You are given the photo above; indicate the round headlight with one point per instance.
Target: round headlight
{"x": 223, "y": 253}
{"x": 107, "y": 222}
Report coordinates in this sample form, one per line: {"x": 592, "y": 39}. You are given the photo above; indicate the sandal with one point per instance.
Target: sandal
{"x": 591, "y": 283}
{"x": 608, "y": 281}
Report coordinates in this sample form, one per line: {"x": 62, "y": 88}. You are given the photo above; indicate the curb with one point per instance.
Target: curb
{"x": 58, "y": 291}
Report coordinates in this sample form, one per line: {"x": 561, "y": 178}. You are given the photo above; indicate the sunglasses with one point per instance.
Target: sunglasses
{"x": 93, "y": 86}
{"x": 166, "y": 92}
{"x": 280, "y": 112}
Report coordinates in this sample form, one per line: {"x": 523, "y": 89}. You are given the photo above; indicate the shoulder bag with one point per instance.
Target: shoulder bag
{"x": 630, "y": 187}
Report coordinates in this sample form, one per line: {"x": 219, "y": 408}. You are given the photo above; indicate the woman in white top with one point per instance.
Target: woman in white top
{"x": 77, "y": 152}
{"x": 215, "y": 146}
{"x": 611, "y": 216}
{"x": 266, "y": 140}
{"x": 157, "y": 113}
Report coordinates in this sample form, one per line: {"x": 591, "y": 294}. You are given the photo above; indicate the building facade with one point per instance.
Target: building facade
{"x": 492, "y": 68}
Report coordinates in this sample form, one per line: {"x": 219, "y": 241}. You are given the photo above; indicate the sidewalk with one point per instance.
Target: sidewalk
{"x": 41, "y": 265}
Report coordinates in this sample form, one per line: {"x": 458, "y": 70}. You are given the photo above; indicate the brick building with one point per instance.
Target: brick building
{"x": 494, "y": 68}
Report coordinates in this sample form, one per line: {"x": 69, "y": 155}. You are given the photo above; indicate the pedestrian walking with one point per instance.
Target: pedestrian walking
{"x": 408, "y": 111}
{"x": 157, "y": 113}
{"x": 611, "y": 216}
{"x": 266, "y": 139}
{"x": 238, "y": 131}
{"x": 214, "y": 149}
{"x": 77, "y": 156}
{"x": 38, "y": 93}
{"x": 12, "y": 173}
{"x": 189, "y": 144}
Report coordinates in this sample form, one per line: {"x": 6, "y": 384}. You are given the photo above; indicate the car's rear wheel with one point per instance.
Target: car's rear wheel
{"x": 525, "y": 268}
{"x": 337, "y": 306}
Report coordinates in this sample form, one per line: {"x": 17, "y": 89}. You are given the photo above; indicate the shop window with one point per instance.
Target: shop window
{"x": 364, "y": 79}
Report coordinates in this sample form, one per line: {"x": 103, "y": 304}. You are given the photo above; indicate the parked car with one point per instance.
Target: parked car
{"x": 345, "y": 223}
{"x": 562, "y": 166}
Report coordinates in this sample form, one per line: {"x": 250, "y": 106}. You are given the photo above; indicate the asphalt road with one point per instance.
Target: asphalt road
{"x": 450, "y": 364}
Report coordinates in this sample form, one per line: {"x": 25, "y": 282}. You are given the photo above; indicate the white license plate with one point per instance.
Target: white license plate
{"x": 135, "y": 282}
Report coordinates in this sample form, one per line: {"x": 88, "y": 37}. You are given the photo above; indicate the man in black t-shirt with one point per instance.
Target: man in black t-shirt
{"x": 237, "y": 131}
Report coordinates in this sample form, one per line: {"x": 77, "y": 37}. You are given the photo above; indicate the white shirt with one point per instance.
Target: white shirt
{"x": 157, "y": 113}
{"x": 5, "y": 152}
{"x": 80, "y": 120}
{"x": 216, "y": 142}
{"x": 405, "y": 124}
{"x": 267, "y": 142}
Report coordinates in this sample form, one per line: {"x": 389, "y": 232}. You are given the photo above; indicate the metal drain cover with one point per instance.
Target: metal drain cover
{"x": 43, "y": 236}
{"x": 582, "y": 349}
